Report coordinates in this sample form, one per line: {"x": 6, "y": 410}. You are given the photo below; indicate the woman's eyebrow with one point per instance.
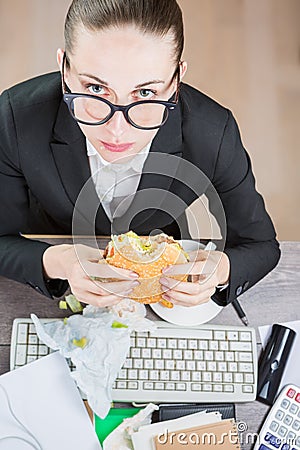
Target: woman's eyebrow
{"x": 105, "y": 83}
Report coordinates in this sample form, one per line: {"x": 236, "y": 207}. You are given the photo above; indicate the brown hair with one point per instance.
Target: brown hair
{"x": 150, "y": 16}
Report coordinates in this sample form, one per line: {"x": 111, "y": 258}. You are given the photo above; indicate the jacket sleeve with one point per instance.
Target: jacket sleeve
{"x": 251, "y": 243}
{"x": 20, "y": 258}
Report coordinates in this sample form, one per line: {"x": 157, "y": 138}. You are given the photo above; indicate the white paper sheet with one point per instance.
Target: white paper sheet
{"x": 291, "y": 373}
{"x": 45, "y": 399}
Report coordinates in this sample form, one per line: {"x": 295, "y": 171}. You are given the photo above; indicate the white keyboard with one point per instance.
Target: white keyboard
{"x": 211, "y": 363}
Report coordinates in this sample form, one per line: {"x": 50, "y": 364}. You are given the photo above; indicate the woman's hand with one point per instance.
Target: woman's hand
{"x": 78, "y": 264}
{"x": 206, "y": 269}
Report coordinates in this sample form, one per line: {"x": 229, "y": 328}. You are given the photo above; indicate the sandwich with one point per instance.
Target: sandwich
{"x": 147, "y": 256}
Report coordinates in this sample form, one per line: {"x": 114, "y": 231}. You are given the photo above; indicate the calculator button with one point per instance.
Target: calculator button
{"x": 298, "y": 397}
{"x": 263, "y": 447}
{"x": 285, "y": 403}
{"x": 285, "y": 447}
{"x": 298, "y": 441}
{"x": 279, "y": 415}
{"x": 288, "y": 420}
{"x": 291, "y": 436}
{"x": 274, "y": 425}
{"x": 296, "y": 425}
{"x": 293, "y": 409}
{"x": 282, "y": 431}
{"x": 291, "y": 392}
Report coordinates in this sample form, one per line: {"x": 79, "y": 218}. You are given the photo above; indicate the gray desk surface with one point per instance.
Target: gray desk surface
{"x": 276, "y": 298}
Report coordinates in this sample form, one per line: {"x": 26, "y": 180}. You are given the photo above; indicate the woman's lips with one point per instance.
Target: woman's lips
{"x": 118, "y": 148}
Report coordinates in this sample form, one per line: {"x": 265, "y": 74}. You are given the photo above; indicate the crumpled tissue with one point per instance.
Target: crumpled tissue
{"x": 120, "y": 438}
{"x": 95, "y": 346}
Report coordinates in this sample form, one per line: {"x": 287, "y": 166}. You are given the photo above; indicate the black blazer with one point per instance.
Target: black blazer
{"x": 44, "y": 165}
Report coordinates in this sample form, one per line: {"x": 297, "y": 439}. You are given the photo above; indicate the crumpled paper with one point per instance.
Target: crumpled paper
{"x": 103, "y": 348}
{"x": 120, "y": 438}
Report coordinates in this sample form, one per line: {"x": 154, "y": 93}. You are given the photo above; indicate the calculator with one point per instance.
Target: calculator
{"x": 281, "y": 429}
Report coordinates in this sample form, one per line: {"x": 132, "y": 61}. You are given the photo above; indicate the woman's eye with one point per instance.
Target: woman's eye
{"x": 96, "y": 89}
{"x": 145, "y": 93}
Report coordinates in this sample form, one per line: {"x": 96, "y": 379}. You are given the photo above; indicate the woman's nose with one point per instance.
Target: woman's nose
{"x": 117, "y": 125}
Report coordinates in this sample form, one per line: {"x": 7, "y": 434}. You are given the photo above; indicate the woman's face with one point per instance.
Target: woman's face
{"x": 123, "y": 66}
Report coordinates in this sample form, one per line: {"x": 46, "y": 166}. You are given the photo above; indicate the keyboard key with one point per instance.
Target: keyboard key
{"x": 143, "y": 374}
{"x": 245, "y": 336}
{"x": 228, "y": 388}
{"x": 20, "y": 355}
{"x": 170, "y": 365}
{"x": 196, "y": 387}
{"x": 175, "y": 375}
{"x": 161, "y": 343}
{"x": 232, "y": 336}
{"x": 181, "y": 386}
{"x": 149, "y": 385}
{"x": 244, "y": 356}
{"x": 217, "y": 388}
{"x": 196, "y": 376}
{"x": 159, "y": 364}
{"x": 192, "y": 344}
{"x": 247, "y": 388}
{"x": 219, "y": 356}
{"x": 191, "y": 365}
{"x": 213, "y": 345}
{"x": 159, "y": 386}
{"x": 249, "y": 378}
{"x": 170, "y": 387}
{"x": 212, "y": 366}
{"x": 146, "y": 353}
{"x": 121, "y": 385}
{"x": 223, "y": 345}
{"x": 22, "y": 333}
{"x": 245, "y": 367}
{"x": 31, "y": 358}
{"x": 206, "y": 376}
{"x": 132, "y": 384}
{"x": 219, "y": 335}
{"x": 167, "y": 354}
{"x": 236, "y": 346}
{"x": 164, "y": 375}
{"x": 207, "y": 387}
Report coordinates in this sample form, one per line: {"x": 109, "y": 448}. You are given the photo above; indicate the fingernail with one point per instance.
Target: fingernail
{"x": 135, "y": 283}
{"x": 134, "y": 275}
{"x": 166, "y": 297}
{"x": 166, "y": 269}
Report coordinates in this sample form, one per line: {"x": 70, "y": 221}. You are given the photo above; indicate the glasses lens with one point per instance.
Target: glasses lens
{"x": 89, "y": 110}
{"x": 148, "y": 115}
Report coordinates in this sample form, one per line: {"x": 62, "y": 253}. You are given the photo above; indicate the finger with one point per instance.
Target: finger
{"x": 191, "y": 268}
{"x": 115, "y": 287}
{"x": 183, "y": 299}
{"x": 198, "y": 255}
{"x": 85, "y": 252}
{"x": 181, "y": 286}
{"x": 105, "y": 270}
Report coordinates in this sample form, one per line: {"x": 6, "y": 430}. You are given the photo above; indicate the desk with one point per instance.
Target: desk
{"x": 276, "y": 298}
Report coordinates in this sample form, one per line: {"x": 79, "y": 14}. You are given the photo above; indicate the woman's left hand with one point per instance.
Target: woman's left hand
{"x": 206, "y": 270}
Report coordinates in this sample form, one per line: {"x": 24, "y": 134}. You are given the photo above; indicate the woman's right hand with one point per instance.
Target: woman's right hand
{"x": 78, "y": 264}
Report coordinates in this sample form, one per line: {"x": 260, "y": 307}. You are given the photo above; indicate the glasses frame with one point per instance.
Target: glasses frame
{"x": 69, "y": 96}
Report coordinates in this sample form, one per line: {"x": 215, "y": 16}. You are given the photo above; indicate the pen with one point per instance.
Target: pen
{"x": 240, "y": 311}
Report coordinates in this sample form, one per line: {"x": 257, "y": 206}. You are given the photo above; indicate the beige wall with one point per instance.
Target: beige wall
{"x": 243, "y": 53}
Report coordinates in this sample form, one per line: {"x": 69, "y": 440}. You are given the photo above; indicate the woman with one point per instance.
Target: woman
{"x": 123, "y": 52}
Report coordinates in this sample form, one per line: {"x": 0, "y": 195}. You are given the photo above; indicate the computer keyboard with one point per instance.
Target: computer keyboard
{"x": 211, "y": 363}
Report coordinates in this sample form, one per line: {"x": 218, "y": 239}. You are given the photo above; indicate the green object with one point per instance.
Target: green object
{"x": 113, "y": 419}
{"x": 117, "y": 324}
{"x": 80, "y": 342}
{"x": 63, "y": 305}
{"x": 73, "y": 303}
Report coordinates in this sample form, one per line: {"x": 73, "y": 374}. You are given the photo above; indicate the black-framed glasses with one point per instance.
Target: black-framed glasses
{"x": 93, "y": 110}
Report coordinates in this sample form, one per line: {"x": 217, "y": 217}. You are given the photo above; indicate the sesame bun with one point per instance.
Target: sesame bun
{"x": 147, "y": 256}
